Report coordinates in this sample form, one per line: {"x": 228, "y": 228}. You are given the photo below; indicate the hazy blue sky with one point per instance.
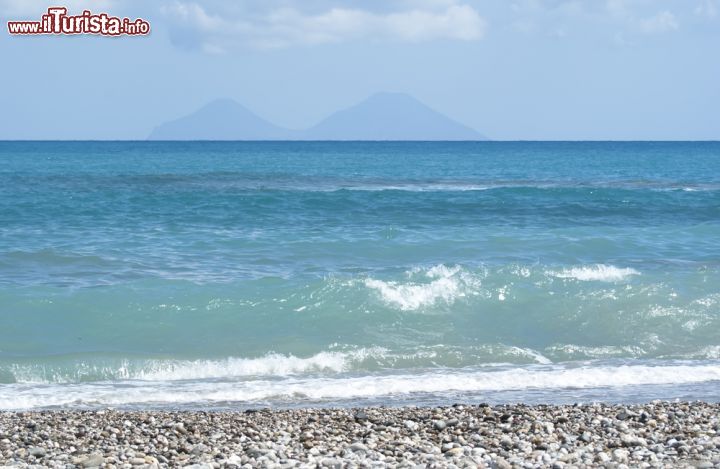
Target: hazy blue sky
{"x": 512, "y": 69}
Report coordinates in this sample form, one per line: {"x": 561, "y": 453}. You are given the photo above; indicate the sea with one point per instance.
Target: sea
{"x": 236, "y": 275}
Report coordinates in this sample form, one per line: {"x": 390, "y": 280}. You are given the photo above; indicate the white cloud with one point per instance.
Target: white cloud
{"x": 543, "y": 17}
{"x": 617, "y": 8}
{"x": 707, "y": 8}
{"x": 659, "y": 23}
{"x": 32, "y": 9}
{"x": 285, "y": 27}
{"x": 621, "y": 21}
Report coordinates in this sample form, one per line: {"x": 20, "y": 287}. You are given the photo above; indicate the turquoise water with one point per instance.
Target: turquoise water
{"x": 214, "y": 275}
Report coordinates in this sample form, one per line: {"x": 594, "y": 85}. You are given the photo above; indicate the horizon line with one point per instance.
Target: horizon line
{"x": 50, "y": 140}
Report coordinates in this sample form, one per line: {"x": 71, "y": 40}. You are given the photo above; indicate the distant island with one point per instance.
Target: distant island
{"x": 382, "y": 116}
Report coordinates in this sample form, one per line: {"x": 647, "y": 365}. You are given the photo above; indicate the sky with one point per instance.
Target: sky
{"x": 511, "y": 69}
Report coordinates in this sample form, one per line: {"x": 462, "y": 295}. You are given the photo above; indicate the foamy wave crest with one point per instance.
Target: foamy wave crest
{"x": 165, "y": 370}
{"x": 578, "y": 352}
{"x": 532, "y": 354}
{"x": 270, "y": 365}
{"x": 598, "y": 272}
{"x": 711, "y": 352}
{"x": 426, "y": 287}
{"x": 339, "y": 359}
{"x": 470, "y": 382}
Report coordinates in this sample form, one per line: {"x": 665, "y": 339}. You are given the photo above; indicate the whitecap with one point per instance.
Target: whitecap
{"x": 272, "y": 364}
{"x": 597, "y": 272}
{"x": 446, "y": 285}
{"x": 345, "y": 388}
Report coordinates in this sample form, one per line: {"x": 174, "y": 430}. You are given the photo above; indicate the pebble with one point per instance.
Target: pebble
{"x": 93, "y": 460}
{"x": 358, "y": 447}
{"x": 657, "y": 434}
{"x": 411, "y": 425}
{"x": 36, "y": 452}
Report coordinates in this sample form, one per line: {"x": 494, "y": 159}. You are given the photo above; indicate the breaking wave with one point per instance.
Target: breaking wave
{"x": 427, "y": 287}
{"x": 546, "y": 379}
{"x": 332, "y": 362}
{"x": 598, "y": 272}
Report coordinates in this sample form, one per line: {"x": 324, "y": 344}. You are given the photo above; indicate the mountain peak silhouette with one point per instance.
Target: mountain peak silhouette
{"x": 382, "y": 116}
{"x": 221, "y": 119}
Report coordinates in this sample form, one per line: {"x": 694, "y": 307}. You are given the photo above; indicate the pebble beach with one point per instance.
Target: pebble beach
{"x": 657, "y": 434}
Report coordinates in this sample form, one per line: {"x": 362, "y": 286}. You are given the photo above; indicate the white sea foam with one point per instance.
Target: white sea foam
{"x": 597, "y": 272}
{"x": 526, "y": 352}
{"x": 339, "y": 359}
{"x": 337, "y": 389}
{"x": 709, "y": 352}
{"x": 272, "y": 364}
{"x": 446, "y": 284}
{"x": 269, "y": 365}
{"x": 575, "y": 351}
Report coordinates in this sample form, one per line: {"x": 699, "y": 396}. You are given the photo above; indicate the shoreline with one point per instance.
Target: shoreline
{"x": 657, "y": 434}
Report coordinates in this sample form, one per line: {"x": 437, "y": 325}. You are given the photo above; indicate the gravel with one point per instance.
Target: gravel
{"x": 658, "y": 434}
